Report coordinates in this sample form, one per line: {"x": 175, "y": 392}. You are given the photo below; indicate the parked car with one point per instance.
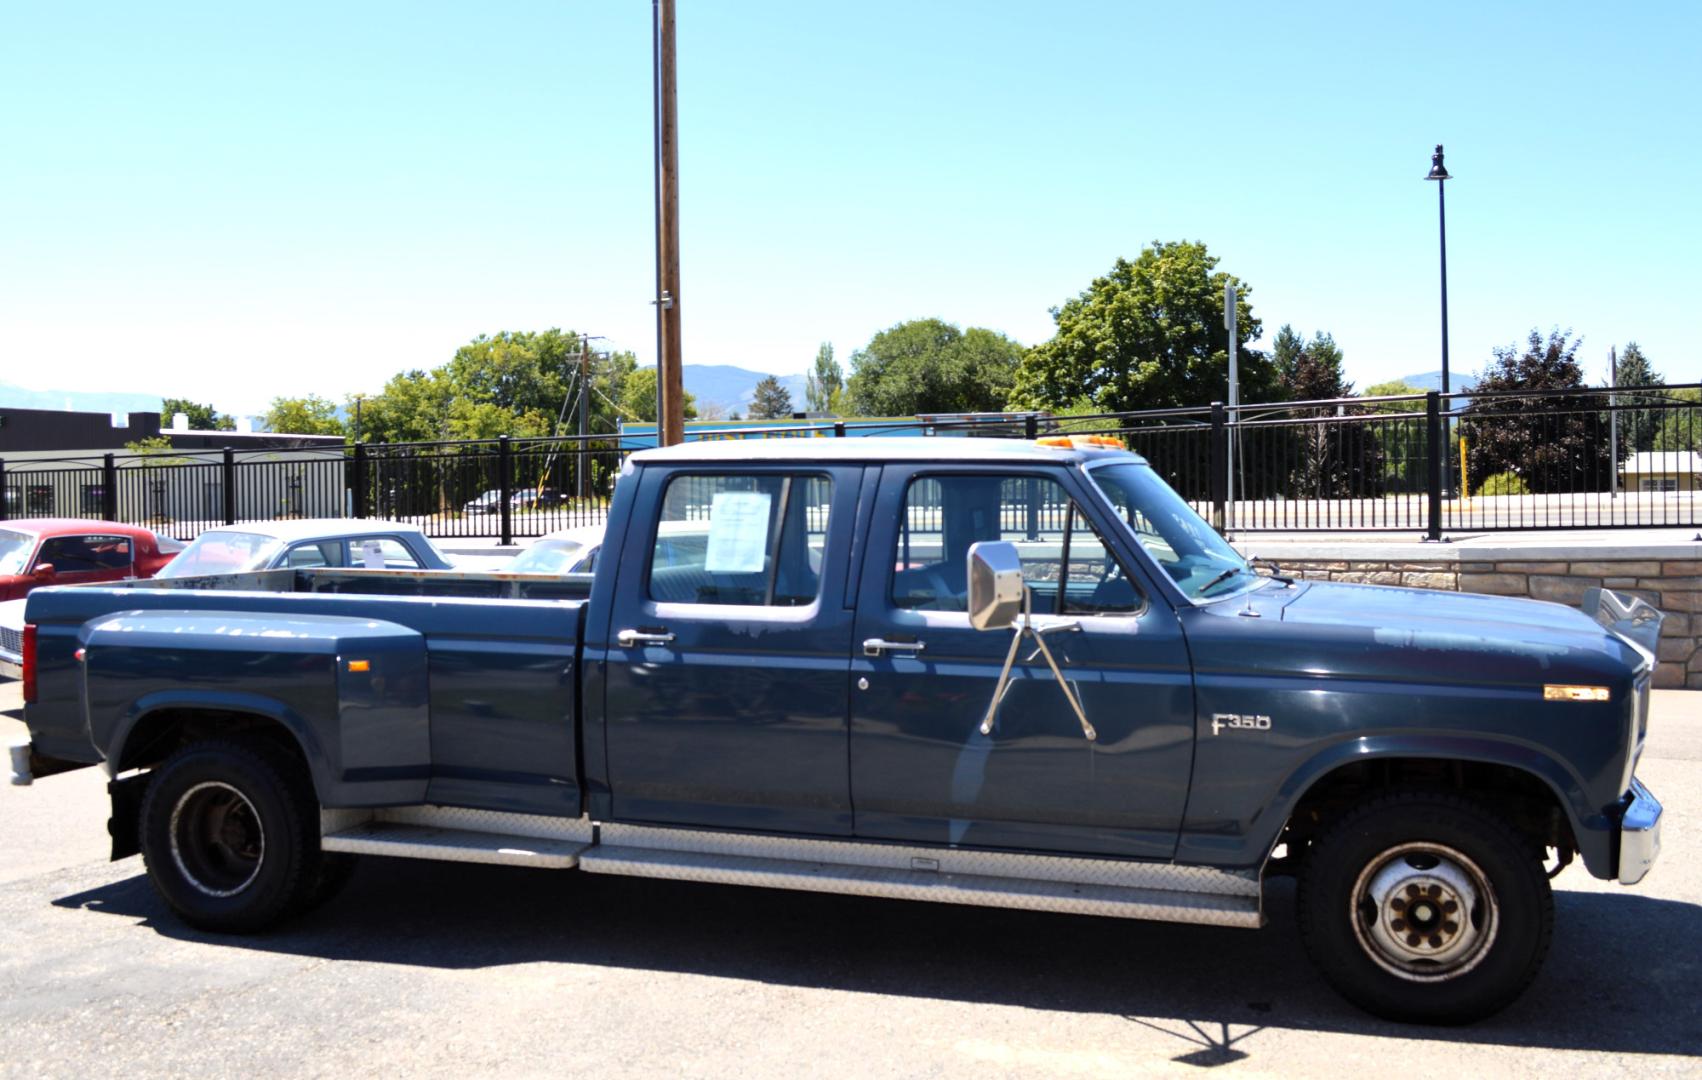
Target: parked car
{"x": 536, "y": 498}
{"x": 565, "y": 551}
{"x": 270, "y": 545}
{"x": 68, "y": 551}
{"x": 488, "y": 502}
{"x": 574, "y": 551}
{"x": 833, "y": 682}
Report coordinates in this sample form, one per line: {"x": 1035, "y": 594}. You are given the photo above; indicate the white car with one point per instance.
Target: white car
{"x": 565, "y": 551}
{"x": 270, "y": 545}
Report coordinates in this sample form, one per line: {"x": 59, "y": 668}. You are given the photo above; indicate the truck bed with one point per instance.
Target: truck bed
{"x": 459, "y": 687}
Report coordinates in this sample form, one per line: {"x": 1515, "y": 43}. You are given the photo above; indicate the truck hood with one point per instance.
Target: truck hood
{"x": 1464, "y": 635}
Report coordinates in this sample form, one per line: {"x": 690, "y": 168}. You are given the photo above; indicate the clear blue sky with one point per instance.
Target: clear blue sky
{"x": 233, "y": 202}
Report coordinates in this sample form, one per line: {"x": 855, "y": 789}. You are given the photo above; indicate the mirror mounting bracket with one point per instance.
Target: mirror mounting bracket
{"x": 1025, "y": 625}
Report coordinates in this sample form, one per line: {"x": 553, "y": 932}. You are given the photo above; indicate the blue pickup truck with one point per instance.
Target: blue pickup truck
{"x": 978, "y": 671}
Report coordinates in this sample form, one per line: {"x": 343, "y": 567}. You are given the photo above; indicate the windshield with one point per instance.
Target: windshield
{"x": 548, "y": 557}
{"x": 222, "y": 552}
{"x": 15, "y": 548}
{"x": 1201, "y": 562}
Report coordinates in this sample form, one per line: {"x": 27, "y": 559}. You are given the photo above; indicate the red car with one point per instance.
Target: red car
{"x": 68, "y": 551}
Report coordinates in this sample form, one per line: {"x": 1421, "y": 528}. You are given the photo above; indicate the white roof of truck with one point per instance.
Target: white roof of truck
{"x": 873, "y": 449}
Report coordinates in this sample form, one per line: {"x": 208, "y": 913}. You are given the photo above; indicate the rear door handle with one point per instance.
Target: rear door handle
{"x": 877, "y": 646}
{"x": 629, "y": 638}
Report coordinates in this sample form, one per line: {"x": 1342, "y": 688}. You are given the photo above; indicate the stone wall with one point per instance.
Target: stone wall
{"x": 1673, "y": 585}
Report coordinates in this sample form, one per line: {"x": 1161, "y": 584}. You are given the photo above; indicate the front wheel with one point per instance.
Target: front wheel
{"x": 229, "y": 834}
{"x": 1425, "y": 907}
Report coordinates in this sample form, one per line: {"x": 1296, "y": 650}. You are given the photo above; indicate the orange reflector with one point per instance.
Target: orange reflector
{"x": 1073, "y": 442}
{"x": 358, "y": 666}
{"x": 1552, "y": 692}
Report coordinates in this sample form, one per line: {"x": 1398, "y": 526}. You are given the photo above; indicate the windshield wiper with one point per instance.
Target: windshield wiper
{"x": 1276, "y": 571}
{"x": 1231, "y": 572}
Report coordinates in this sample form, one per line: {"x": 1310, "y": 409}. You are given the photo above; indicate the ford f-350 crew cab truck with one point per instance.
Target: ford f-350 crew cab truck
{"x": 979, "y": 671}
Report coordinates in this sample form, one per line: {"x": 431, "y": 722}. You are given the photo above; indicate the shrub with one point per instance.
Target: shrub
{"x": 1503, "y": 483}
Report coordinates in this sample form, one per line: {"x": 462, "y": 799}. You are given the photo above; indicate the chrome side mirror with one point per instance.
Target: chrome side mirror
{"x": 995, "y": 585}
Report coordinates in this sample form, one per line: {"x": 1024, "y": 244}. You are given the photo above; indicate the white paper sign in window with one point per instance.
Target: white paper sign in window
{"x": 738, "y": 532}
{"x": 372, "y": 555}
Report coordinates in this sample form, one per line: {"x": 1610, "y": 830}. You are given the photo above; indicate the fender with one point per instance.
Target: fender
{"x": 306, "y": 739}
{"x": 1592, "y": 829}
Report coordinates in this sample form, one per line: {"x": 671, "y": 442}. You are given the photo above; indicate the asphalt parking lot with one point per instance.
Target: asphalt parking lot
{"x": 423, "y": 969}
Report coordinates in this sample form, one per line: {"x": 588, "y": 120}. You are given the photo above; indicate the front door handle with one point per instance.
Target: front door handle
{"x": 876, "y": 646}
{"x": 629, "y": 638}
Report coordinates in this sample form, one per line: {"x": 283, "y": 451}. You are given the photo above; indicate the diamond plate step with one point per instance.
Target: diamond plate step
{"x": 454, "y": 845}
{"x": 1214, "y": 909}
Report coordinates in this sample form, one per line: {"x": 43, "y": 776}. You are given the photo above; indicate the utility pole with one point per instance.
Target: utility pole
{"x": 583, "y": 457}
{"x": 1234, "y": 397}
{"x": 670, "y": 426}
{"x": 1613, "y": 420}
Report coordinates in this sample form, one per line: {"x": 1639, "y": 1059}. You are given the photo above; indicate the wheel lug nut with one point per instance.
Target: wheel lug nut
{"x": 1398, "y": 925}
{"x": 1398, "y": 904}
{"x": 1450, "y": 927}
{"x": 1435, "y": 942}
{"x": 1412, "y": 890}
{"x": 1450, "y": 907}
{"x": 1412, "y": 939}
{"x": 1435, "y": 890}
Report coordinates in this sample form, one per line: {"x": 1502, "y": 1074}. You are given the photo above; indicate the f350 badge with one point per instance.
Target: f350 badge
{"x": 1239, "y": 722}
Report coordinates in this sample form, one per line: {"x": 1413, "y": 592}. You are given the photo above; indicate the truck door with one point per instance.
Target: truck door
{"x": 729, "y": 649}
{"x": 921, "y": 771}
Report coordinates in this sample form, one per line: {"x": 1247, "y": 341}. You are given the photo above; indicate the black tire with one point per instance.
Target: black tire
{"x": 1425, "y": 908}
{"x": 335, "y": 870}
{"x": 230, "y": 835}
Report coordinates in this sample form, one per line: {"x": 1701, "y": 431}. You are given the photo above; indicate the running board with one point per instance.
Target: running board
{"x": 1082, "y": 886}
{"x": 453, "y": 835}
{"x": 1029, "y": 894}
{"x": 1132, "y": 890}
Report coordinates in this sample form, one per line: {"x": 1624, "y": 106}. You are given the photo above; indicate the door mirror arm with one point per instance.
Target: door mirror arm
{"x": 999, "y": 599}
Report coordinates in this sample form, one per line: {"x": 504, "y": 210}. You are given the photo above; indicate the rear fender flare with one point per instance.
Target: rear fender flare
{"x": 179, "y": 700}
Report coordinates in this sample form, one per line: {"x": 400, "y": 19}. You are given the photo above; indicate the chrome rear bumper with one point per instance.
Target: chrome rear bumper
{"x": 1639, "y": 834}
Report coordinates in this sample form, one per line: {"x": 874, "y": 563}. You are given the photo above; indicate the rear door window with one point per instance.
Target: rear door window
{"x": 751, "y": 540}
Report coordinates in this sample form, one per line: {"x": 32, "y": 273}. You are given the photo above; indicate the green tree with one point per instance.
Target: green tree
{"x": 1549, "y": 442}
{"x": 1634, "y": 369}
{"x": 638, "y": 397}
{"x": 1308, "y": 371}
{"x": 1640, "y": 415}
{"x": 310, "y": 415}
{"x": 1149, "y": 334}
{"x": 825, "y": 381}
{"x": 770, "y": 400}
{"x": 1681, "y": 427}
{"x": 1393, "y": 388}
{"x": 412, "y": 407}
{"x": 1328, "y": 459}
{"x": 201, "y": 417}
{"x": 514, "y": 383}
{"x": 1400, "y": 441}
{"x": 930, "y": 366}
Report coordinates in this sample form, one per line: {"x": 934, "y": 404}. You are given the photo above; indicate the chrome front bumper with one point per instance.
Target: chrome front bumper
{"x": 1639, "y": 834}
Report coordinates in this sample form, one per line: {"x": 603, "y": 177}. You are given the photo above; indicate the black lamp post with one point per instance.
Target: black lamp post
{"x": 1440, "y": 175}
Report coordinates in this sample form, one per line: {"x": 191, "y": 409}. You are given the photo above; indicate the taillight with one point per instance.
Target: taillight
{"x": 29, "y": 663}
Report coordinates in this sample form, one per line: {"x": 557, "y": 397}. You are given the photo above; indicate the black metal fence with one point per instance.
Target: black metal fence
{"x": 1431, "y": 463}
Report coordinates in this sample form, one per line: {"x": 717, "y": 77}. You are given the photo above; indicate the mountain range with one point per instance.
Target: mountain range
{"x": 733, "y": 387}
{"x": 99, "y": 401}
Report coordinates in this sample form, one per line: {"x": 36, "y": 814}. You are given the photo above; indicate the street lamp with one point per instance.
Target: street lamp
{"x": 1440, "y": 175}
